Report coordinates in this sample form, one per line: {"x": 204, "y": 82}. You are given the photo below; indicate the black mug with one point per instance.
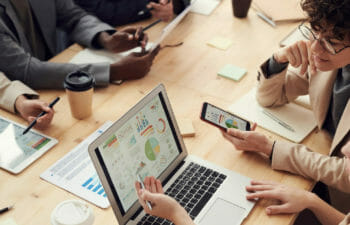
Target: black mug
{"x": 240, "y": 7}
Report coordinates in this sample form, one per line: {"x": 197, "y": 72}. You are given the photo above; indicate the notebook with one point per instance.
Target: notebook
{"x": 280, "y": 10}
{"x": 146, "y": 141}
{"x": 299, "y": 118}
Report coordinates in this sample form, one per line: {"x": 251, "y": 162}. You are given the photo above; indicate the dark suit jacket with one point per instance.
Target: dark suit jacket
{"x": 16, "y": 59}
{"x": 121, "y": 12}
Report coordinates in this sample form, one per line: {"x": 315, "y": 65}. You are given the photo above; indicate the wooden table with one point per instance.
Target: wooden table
{"x": 189, "y": 73}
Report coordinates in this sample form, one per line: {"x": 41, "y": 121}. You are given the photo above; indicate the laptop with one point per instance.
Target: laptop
{"x": 147, "y": 141}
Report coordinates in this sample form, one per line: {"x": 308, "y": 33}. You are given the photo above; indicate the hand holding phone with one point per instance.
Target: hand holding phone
{"x": 222, "y": 119}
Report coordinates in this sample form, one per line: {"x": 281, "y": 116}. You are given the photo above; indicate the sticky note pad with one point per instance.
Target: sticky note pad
{"x": 9, "y": 221}
{"x": 220, "y": 43}
{"x": 232, "y": 72}
{"x": 186, "y": 127}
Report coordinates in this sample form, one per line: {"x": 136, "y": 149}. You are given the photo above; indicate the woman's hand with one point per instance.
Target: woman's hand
{"x": 292, "y": 200}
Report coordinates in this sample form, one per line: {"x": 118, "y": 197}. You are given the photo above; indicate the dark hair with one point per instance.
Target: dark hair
{"x": 329, "y": 16}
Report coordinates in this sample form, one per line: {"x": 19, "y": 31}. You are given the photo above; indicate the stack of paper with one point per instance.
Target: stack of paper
{"x": 204, "y": 7}
{"x": 300, "y": 120}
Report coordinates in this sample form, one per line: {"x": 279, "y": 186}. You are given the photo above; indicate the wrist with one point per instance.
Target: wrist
{"x": 268, "y": 147}
{"x": 19, "y": 103}
{"x": 312, "y": 201}
{"x": 103, "y": 39}
{"x": 181, "y": 216}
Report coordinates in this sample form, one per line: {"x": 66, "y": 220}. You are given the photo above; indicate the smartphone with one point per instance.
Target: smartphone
{"x": 222, "y": 119}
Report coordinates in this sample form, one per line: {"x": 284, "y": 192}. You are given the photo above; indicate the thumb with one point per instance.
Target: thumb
{"x": 148, "y": 196}
{"x": 236, "y": 133}
{"x": 30, "y": 119}
{"x": 277, "y": 209}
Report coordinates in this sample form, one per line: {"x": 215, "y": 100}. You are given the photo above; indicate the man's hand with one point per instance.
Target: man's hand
{"x": 249, "y": 140}
{"x": 292, "y": 200}
{"x": 133, "y": 66}
{"x": 31, "y": 108}
{"x": 162, "y": 10}
{"x": 123, "y": 40}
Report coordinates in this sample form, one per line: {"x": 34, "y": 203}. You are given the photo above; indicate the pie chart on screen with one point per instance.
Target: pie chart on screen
{"x": 152, "y": 149}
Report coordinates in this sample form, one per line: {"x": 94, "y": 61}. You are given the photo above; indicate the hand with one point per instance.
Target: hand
{"x": 162, "y": 205}
{"x": 249, "y": 140}
{"x": 297, "y": 54}
{"x": 133, "y": 66}
{"x": 123, "y": 40}
{"x": 162, "y": 10}
{"x": 29, "y": 109}
{"x": 292, "y": 200}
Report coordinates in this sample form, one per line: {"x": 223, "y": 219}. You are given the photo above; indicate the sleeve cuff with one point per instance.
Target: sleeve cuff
{"x": 17, "y": 89}
{"x": 273, "y": 67}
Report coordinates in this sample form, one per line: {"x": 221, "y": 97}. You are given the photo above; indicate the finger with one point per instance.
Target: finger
{"x": 254, "y": 126}
{"x": 138, "y": 33}
{"x": 269, "y": 194}
{"x": 236, "y": 133}
{"x": 290, "y": 56}
{"x": 30, "y": 119}
{"x": 255, "y": 188}
{"x": 278, "y": 209}
{"x": 159, "y": 187}
{"x": 156, "y": 7}
{"x": 297, "y": 55}
{"x": 142, "y": 201}
{"x": 147, "y": 183}
{"x": 137, "y": 187}
{"x": 311, "y": 60}
{"x": 304, "y": 57}
{"x": 262, "y": 182}
{"x": 164, "y": 2}
{"x": 153, "y": 185}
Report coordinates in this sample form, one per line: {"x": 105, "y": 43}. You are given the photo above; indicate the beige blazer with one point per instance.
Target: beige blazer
{"x": 10, "y": 90}
{"x": 346, "y": 221}
{"x": 287, "y": 86}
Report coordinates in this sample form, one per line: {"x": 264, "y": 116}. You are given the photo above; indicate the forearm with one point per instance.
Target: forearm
{"x": 325, "y": 213}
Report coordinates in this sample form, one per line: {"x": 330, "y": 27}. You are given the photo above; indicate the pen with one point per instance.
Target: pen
{"x": 283, "y": 124}
{"x": 144, "y": 11}
{"x": 151, "y": 25}
{"x": 40, "y": 115}
{"x": 143, "y": 187}
{"x": 5, "y": 209}
{"x": 266, "y": 19}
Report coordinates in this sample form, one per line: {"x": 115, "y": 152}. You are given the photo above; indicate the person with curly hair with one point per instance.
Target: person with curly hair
{"x": 319, "y": 67}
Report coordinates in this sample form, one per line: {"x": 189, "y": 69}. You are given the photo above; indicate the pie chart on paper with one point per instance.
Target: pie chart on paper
{"x": 152, "y": 149}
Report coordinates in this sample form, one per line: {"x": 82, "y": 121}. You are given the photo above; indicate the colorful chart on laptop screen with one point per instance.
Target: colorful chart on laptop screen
{"x": 144, "y": 145}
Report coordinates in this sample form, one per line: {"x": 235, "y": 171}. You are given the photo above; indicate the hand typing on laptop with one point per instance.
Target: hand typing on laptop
{"x": 162, "y": 205}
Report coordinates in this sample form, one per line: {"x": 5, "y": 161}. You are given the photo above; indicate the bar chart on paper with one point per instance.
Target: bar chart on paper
{"x": 76, "y": 173}
{"x": 93, "y": 184}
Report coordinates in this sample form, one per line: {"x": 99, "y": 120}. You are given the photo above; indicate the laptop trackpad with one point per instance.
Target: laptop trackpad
{"x": 224, "y": 213}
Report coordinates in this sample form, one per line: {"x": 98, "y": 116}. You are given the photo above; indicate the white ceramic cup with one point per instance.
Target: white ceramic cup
{"x": 72, "y": 212}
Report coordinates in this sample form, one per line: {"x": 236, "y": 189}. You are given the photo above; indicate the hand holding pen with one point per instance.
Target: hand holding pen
{"x": 45, "y": 116}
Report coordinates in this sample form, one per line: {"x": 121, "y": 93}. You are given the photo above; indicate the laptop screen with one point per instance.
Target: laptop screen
{"x": 145, "y": 145}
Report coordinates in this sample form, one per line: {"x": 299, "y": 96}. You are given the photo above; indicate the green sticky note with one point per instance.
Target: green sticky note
{"x": 9, "y": 221}
{"x": 220, "y": 43}
{"x": 232, "y": 72}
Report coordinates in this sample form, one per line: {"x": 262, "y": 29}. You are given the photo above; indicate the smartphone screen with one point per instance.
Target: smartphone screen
{"x": 223, "y": 119}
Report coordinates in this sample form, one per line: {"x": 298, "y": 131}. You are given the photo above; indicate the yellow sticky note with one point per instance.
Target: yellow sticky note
{"x": 9, "y": 221}
{"x": 220, "y": 43}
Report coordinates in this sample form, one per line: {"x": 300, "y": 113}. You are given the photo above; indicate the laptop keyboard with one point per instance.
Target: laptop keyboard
{"x": 192, "y": 189}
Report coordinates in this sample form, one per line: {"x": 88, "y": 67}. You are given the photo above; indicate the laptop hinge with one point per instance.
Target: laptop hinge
{"x": 173, "y": 173}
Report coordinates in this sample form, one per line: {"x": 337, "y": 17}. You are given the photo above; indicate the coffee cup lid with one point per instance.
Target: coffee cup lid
{"x": 79, "y": 81}
{"x": 72, "y": 212}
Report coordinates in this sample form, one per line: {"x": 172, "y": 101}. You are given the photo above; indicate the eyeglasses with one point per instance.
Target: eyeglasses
{"x": 310, "y": 35}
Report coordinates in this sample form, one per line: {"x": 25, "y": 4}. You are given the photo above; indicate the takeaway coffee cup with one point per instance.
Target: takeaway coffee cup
{"x": 72, "y": 212}
{"x": 240, "y": 7}
{"x": 80, "y": 89}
